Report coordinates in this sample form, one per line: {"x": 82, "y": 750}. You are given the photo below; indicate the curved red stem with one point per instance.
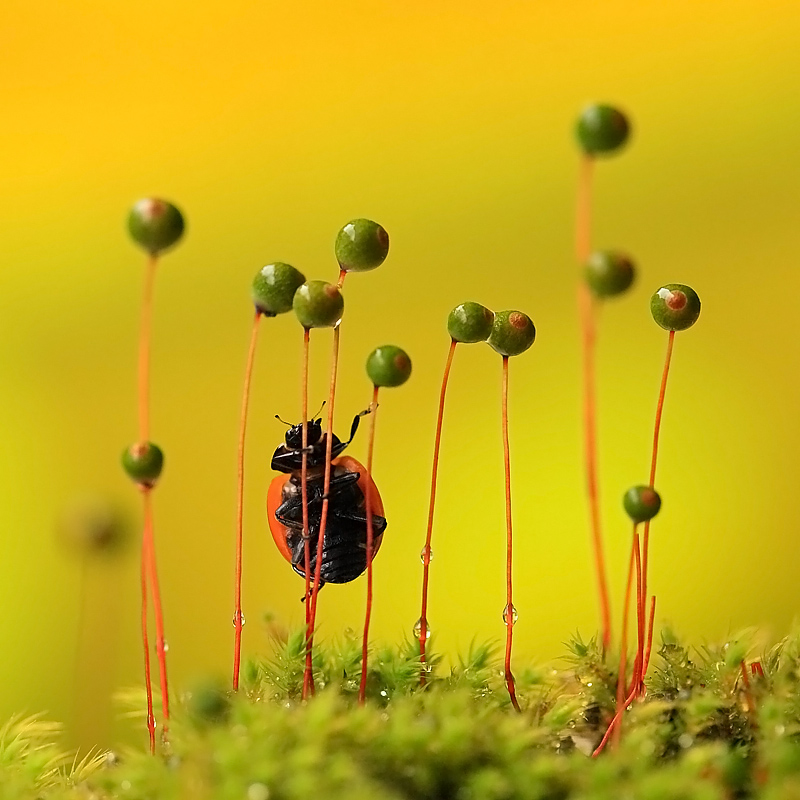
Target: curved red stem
{"x": 144, "y": 348}
{"x": 426, "y": 557}
{"x": 237, "y": 614}
{"x": 623, "y": 647}
{"x": 362, "y": 689}
{"x": 308, "y": 675}
{"x": 649, "y": 639}
{"x": 587, "y": 314}
{"x": 304, "y": 487}
{"x": 509, "y": 611}
{"x": 161, "y": 650}
{"x": 657, "y": 429}
{"x": 148, "y": 685}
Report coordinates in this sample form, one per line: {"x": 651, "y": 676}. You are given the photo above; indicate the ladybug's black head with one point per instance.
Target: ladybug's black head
{"x": 289, "y": 456}
{"x": 294, "y": 436}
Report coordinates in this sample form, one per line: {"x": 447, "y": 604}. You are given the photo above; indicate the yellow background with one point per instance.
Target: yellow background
{"x": 271, "y": 125}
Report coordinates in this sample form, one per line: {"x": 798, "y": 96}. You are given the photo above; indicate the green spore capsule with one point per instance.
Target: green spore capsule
{"x": 274, "y": 287}
{"x": 361, "y": 245}
{"x": 143, "y": 462}
{"x": 209, "y": 703}
{"x": 470, "y": 322}
{"x": 512, "y": 333}
{"x": 735, "y": 652}
{"x": 675, "y": 306}
{"x": 609, "y": 273}
{"x": 318, "y": 304}
{"x": 641, "y": 503}
{"x": 155, "y": 224}
{"x": 602, "y": 129}
{"x": 388, "y": 366}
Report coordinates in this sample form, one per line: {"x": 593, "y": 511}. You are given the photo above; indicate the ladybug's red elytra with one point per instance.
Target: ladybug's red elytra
{"x": 344, "y": 551}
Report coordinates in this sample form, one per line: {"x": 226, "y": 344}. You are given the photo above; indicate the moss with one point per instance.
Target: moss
{"x": 692, "y": 736}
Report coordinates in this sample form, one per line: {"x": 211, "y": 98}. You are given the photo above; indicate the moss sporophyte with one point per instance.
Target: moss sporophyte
{"x": 600, "y": 130}
{"x": 155, "y": 225}
{"x": 328, "y": 521}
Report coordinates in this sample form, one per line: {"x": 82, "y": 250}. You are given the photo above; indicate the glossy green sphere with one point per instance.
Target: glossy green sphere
{"x": 273, "y": 288}
{"x": 641, "y": 503}
{"x": 318, "y": 304}
{"x": 470, "y": 322}
{"x": 209, "y": 703}
{"x": 609, "y": 273}
{"x": 155, "y": 224}
{"x": 388, "y": 366}
{"x": 143, "y": 462}
{"x": 361, "y": 245}
{"x": 512, "y": 333}
{"x": 675, "y": 306}
{"x": 602, "y": 129}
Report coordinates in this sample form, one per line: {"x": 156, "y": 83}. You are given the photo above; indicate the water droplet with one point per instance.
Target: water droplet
{"x": 510, "y": 615}
{"x": 685, "y": 740}
{"x": 165, "y": 647}
{"x": 418, "y": 629}
{"x": 422, "y": 554}
{"x": 240, "y": 616}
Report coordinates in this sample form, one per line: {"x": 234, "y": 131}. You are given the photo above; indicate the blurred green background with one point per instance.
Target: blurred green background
{"x": 271, "y": 125}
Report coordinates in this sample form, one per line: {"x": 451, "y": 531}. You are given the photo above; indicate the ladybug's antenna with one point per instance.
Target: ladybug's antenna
{"x": 319, "y": 413}
{"x": 277, "y": 417}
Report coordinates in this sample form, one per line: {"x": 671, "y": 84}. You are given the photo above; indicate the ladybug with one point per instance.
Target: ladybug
{"x": 344, "y": 551}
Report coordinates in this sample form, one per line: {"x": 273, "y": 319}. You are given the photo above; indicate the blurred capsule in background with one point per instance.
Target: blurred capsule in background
{"x": 91, "y": 524}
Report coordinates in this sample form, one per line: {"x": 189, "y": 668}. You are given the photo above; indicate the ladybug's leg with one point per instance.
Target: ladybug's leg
{"x": 284, "y": 460}
{"x": 302, "y": 575}
{"x": 287, "y": 514}
{"x": 315, "y": 492}
{"x": 298, "y": 559}
{"x": 378, "y": 522}
{"x": 338, "y": 447}
{"x": 341, "y": 482}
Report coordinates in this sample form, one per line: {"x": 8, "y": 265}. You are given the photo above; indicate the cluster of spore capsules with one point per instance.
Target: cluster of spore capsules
{"x": 324, "y": 510}
{"x": 601, "y": 131}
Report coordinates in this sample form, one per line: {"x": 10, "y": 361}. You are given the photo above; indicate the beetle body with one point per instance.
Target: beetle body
{"x": 344, "y": 550}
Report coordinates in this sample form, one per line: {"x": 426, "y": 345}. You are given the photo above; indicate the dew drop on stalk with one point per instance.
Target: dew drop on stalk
{"x": 422, "y": 554}
{"x": 510, "y": 615}
{"x": 418, "y": 629}
{"x": 240, "y": 616}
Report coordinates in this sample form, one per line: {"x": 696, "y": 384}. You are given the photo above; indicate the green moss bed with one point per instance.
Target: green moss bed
{"x": 692, "y": 736}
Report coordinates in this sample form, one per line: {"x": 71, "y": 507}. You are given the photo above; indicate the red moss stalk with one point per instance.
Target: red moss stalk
{"x": 510, "y": 612}
{"x": 308, "y": 674}
{"x": 238, "y": 617}
{"x": 426, "y": 558}
{"x": 587, "y": 314}
{"x": 362, "y": 689}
